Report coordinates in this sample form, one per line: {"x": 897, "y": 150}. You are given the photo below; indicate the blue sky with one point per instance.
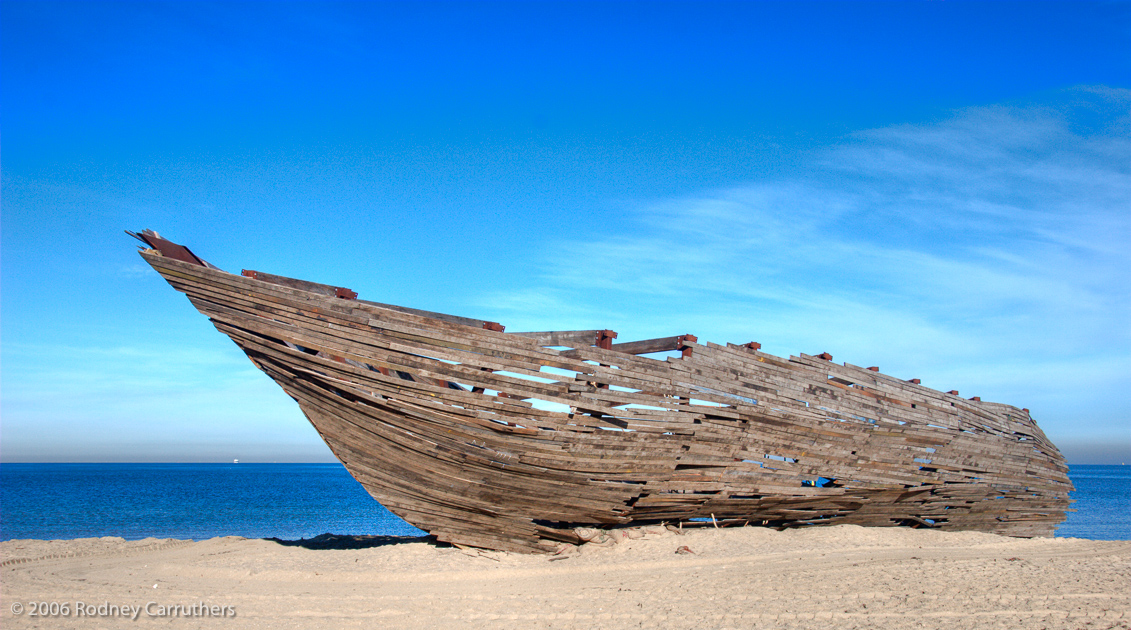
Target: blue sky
{"x": 937, "y": 188}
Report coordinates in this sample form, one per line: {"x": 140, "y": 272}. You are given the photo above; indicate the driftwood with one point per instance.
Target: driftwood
{"x": 512, "y": 440}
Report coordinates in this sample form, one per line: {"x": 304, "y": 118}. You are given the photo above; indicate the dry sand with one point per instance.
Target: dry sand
{"x": 835, "y": 577}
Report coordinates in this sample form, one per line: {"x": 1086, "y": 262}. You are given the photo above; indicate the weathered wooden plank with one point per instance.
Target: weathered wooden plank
{"x": 646, "y": 346}
{"x": 563, "y": 338}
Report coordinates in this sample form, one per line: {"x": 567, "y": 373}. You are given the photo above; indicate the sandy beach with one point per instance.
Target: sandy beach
{"x": 839, "y": 577}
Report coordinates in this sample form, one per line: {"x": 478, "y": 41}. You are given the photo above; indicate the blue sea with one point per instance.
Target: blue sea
{"x": 293, "y": 501}
{"x": 197, "y": 501}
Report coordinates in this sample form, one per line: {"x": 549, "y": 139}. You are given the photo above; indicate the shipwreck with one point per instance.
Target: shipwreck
{"x": 515, "y": 440}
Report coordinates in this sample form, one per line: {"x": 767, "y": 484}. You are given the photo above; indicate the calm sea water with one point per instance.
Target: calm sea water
{"x": 291, "y": 501}
{"x": 197, "y": 501}
{"x": 1103, "y": 503}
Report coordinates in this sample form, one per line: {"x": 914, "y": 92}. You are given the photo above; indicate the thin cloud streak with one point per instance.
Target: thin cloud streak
{"x": 992, "y": 245}
{"x": 153, "y": 396}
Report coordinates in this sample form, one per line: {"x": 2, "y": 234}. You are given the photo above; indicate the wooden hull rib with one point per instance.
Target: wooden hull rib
{"x": 492, "y": 439}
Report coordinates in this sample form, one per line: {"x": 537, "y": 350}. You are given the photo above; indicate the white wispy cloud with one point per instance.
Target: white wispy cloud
{"x": 989, "y": 249}
{"x": 77, "y": 403}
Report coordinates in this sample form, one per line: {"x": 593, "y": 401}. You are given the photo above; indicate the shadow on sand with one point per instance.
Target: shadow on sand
{"x": 335, "y": 541}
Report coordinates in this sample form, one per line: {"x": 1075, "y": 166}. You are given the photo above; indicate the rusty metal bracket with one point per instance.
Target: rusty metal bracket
{"x": 753, "y": 345}
{"x": 685, "y": 350}
{"x": 605, "y": 339}
{"x": 495, "y": 326}
{"x": 167, "y": 249}
{"x": 826, "y": 356}
{"x": 345, "y": 293}
{"x": 916, "y": 381}
{"x": 873, "y": 369}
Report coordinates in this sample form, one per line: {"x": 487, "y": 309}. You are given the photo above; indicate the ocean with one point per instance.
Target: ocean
{"x": 293, "y": 501}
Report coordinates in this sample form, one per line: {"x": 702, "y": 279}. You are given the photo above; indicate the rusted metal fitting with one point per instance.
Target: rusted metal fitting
{"x": 874, "y": 369}
{"x": 167, "y": 249}
{"x": 248, "y": 273}
{"x": 495, "y": 326}
{"x": 826, "y": 356}
{"x": 976, "y": 398}
{"x": 684, "y": 349}
{"x": 916, "y": 381}
{"x": 953, "y": 392}
{"x": 345, "y": 293}
{"x": 754, "y": 345}
{"x": 605, "y": 339}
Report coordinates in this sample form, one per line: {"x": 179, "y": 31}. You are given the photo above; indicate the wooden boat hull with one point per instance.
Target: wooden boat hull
{"x": 512, "y": 440}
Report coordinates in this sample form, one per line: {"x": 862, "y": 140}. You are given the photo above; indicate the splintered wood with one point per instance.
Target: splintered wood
{"x": 514, "y": 441}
